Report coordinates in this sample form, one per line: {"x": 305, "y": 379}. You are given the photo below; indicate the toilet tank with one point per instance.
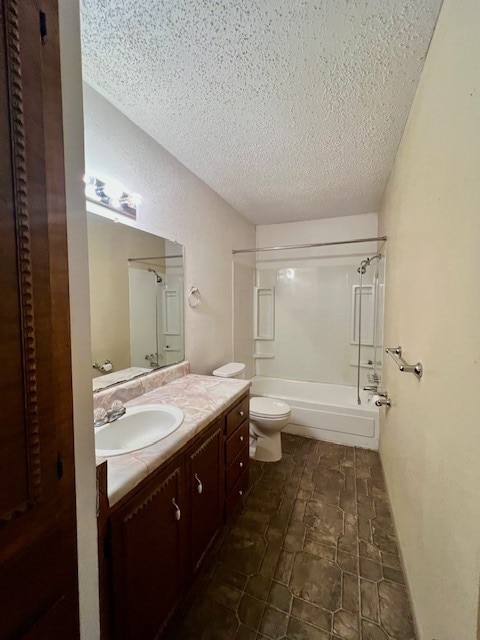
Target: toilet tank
{"x": 231, "y": 370}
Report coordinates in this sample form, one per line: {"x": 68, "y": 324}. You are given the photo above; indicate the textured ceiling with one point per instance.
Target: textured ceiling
{"x": 289, "y": 109}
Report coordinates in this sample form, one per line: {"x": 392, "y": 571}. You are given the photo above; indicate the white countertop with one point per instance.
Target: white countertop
{"x": 201, "y": 398}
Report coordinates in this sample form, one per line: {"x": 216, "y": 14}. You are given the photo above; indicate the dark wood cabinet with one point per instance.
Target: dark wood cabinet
{"x": 38, "y": 547}
{"x": 156, "y": 538}
{"x": 148, "y": 551}
{"x": 205, "y": 475}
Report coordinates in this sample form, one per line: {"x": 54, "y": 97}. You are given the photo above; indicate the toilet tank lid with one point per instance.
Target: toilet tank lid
{"x": 230, "y": 370}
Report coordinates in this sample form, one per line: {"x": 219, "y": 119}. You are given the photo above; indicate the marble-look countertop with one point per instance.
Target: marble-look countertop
{"x": 201, "y": 398}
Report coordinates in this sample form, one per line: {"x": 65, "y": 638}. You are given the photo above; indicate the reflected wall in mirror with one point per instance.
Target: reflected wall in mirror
{"x": 136, "y": 301}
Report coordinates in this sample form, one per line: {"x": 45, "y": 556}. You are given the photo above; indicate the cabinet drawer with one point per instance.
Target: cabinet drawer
{"x": 236, "y": 416}
{"x": 236, "y": 468}
{"x": 236, "y": 495}
{"x": 236, "y": 442}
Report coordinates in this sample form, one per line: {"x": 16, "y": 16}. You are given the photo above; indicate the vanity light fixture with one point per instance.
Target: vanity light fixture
{"x": 108, "y": 192}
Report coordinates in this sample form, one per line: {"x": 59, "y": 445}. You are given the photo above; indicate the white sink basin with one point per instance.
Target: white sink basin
{"x": 140, "y": 427}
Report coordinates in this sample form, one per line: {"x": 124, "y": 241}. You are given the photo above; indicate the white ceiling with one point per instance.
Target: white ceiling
{"x": 289, "y": 109}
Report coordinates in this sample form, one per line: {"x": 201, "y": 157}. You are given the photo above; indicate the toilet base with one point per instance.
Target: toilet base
{"x": 269, "y": 448}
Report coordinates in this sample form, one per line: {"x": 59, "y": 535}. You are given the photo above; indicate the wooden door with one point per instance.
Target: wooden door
{"x": 206, "y": 479}
{"x": 148, "y": 557}
{"x": 38, "y": 561}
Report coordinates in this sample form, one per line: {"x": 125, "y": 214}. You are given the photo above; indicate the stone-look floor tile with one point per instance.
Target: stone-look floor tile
{"x": 320, "y": 522}
{"x": 295, "y": 536}
{"x": 284, "y": 567}
{"x": 361, "y": 486}
{"x": 224, "y": 594}
{"x": 369, "y": 600}
{"x": 258, "y": 586}
{"x": 347, "y": 562}
{"x": 394, "y": 575}
{"x": 369, "y": 550}
{"x": 244, "y": 633}
{"x": 320, "y": 550}
{"x": 350, "y": 593}
{"x": 383, "y": 524}
{"x": 248, "y": 522}
{"x": 298, "y": 630}
{"x": 348, "y": 502}
{"x": 229, "y": 576}
{"x": 327, "y": 480}
{"x": 391, "y": 560}
{"x": 293, "y": 543}
{"x": 351, "y": 526}
{"x": 371, "y": 631}
{"x": 270, "y": 561}
{"x": 303, "y": 494}
{"x": 350, "y": 481}
{"x": 385, "y": 542}
{"x": 316, "y": 580}
{"x": 327, "y": 497}
{"x": 275, "y": 535}
{"x": 243, "y": 550}
{"x": 250, "y": 611}
{"x": 370, "y": 570}
{"x": 298, "y": 510}
{"x": 362, "y": 471}
{"x": 279, "y": 520}
{"x": 345, "y": 625}
{"x": 364, "y": 529}
{"x": 286, "y": 505}
{"x": 324, "y": 522}
{"x": 280, "y": 597}
{"x": 312, "y": 614}
{"x": 395, "y": 616}
{"x": 207, "y": 620}
{"x": 274, "y": 623}
{"x": 306, "y": 485}
{"x": 348, "y": 544}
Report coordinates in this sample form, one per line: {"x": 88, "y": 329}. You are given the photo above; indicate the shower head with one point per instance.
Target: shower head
{"x": 366, "y": 263}
{"x": 159, "y": 278}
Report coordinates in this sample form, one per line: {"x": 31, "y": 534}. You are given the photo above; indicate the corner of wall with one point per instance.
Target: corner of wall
{"x": 85, "y": 473}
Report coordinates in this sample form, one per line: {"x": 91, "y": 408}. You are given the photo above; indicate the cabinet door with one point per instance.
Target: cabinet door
{"x": 148, "y": 557}
{"x": 206, "y": 473}
{"x": 38, "y": 561}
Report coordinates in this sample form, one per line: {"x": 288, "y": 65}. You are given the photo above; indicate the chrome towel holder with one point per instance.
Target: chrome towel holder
{"x": 396, "y": 354}
{"x": 194, "y": 297}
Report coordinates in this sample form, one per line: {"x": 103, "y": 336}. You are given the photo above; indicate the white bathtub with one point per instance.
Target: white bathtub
{"x": 324, "y": 411}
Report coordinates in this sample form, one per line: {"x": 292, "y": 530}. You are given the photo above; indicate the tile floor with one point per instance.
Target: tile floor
{"x": 313, "y": 555}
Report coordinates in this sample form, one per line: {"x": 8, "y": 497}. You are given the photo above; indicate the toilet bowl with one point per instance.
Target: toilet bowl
{"x": 268, "y": 417}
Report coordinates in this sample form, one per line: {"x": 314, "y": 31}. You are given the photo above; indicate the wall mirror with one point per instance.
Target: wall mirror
{"x": 136, "y": 301}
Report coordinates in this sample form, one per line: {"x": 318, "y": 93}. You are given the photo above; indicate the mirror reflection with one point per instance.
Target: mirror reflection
{"x": 136, "y": 301}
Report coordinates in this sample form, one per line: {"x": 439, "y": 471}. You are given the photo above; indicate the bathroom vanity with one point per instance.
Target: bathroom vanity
{"x": 155, "y": 531}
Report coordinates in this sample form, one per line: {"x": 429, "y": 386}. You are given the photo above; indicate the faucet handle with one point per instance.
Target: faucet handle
{"x": 117, "y": 410}
{"x": 100, "y": 417}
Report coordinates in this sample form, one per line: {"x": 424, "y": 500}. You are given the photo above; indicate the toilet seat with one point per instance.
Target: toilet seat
{"x": 268, "y": 408}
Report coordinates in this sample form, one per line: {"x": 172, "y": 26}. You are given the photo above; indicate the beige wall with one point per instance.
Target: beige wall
{"x": 80, "y": 319}
{"x": 178, "y": 206}
{"x": 109, "y": 247}
{"x": 430, "y": 441}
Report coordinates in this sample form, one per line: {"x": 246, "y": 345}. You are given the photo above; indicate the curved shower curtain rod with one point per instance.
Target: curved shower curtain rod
{"x": 310, "y": 246}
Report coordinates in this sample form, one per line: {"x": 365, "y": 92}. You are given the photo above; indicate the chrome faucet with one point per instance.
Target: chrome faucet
{"x": 383, "y": 400}
{"x": 102, "y": 417}
{"x": 373, "y": 387}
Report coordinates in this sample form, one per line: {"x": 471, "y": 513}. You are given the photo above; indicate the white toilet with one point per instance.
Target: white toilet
{"x": 268, "y": 417}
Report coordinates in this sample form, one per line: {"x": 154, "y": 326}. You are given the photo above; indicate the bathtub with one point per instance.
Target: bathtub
{"x": 324, "y": 411}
